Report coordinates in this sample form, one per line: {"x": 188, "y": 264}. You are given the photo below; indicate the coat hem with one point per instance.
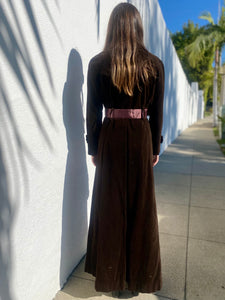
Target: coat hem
{"x": 153, "y": 289}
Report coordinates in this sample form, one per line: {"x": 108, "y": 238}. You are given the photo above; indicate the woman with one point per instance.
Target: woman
{"x": 123, "y": 241}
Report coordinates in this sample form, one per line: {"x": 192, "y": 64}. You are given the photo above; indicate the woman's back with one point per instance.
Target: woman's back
{"x": 103, "y": 93}
{"x": 110, "y": 95}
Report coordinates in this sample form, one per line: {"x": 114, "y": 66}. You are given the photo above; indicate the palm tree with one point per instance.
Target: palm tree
{"x": 211, "y": 35}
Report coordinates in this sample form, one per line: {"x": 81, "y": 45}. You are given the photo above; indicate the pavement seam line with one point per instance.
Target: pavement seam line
{"x": 76, "y": 276}
{"x": 164, "y": 297}
{"x": 213, "y": 208}
{"x": 188, "y": 227}
{"x": 210, "y": 241}
{"x": 191, "y": 238}
{"x": 173, "y": 234}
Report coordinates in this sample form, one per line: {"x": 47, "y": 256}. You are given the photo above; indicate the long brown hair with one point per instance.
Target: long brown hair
{"x": 130, "y": 61}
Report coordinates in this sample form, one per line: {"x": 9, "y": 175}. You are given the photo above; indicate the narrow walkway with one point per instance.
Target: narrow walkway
{"x": 190, "y": 195}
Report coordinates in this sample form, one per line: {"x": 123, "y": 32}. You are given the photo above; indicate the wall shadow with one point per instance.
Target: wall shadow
{"x": 16, "y": 53}
{"x": 6, "y": 220}
{"x": 97, "y": 3}
{"x": 76, "y": 187}
{"x": 17, "y": 56}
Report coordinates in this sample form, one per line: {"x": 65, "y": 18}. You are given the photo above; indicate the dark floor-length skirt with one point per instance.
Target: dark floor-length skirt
{"x": 123, "y": 240}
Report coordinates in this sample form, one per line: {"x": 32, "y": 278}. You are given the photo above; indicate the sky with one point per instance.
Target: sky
{"x": 178, "y": 12}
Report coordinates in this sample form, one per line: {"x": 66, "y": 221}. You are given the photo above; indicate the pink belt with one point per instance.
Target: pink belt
{"x": 139, "y": 113}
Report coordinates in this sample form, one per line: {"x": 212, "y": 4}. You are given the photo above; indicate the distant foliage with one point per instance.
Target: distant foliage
{"x": 202, "y": 71}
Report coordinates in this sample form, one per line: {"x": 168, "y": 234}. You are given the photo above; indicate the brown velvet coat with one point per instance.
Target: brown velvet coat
{"x": 123, "y": 240}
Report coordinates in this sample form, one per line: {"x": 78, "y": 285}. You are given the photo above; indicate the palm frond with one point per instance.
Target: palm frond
{"x": 194, "y": 50}
{"x": 206, "y": 15}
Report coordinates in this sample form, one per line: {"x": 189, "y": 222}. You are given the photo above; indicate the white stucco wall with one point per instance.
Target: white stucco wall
{"x": 200, "y": 104}
{"x": 45, "y": 190}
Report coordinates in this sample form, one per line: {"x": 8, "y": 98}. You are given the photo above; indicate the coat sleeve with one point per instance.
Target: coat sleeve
{"x": 94, "y": 110}
{"x": 155, "y": 110}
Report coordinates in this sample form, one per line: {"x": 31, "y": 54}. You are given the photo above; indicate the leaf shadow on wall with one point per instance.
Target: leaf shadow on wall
{"x": 6, "y": 218}
{"x": 76, "y": 188}
{"x": 16, "y": 53}
{"x": 14, "y": 150}
{"x": 97, "y": 3}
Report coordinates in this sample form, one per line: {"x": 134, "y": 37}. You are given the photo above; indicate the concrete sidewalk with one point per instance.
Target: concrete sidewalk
{"x": 190, "y": 195}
